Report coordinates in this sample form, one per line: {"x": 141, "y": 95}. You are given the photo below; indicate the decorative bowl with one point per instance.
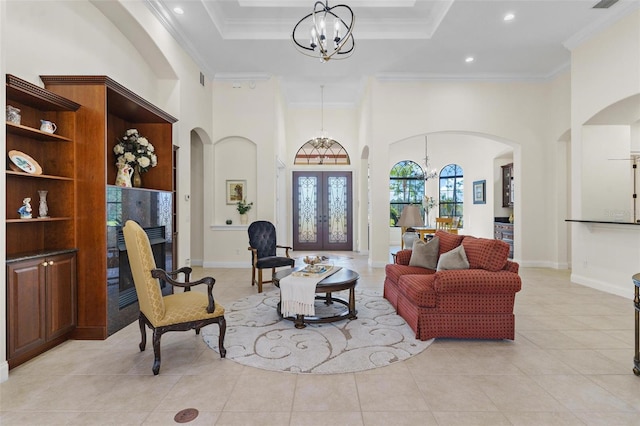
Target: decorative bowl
{"x": 312, "y": 260}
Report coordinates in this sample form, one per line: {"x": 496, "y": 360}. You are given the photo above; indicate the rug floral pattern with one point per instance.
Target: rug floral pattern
{"x": 258, "y": 337}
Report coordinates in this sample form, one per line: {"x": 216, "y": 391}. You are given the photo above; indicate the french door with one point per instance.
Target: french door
{"x": 322, "y": 211}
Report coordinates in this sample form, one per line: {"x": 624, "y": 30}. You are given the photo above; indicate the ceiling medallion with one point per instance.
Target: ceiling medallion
{"x": 340, "y": 32}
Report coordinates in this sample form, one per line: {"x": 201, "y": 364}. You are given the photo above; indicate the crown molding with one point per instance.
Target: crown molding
{"x": 158, "y": 10}
{"x": 625, "y": 8}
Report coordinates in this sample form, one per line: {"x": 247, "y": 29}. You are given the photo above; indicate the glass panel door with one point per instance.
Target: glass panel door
{"x": 322, "y": 211}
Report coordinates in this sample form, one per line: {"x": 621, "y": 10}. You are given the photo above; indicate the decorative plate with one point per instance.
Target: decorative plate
{"x": 22, "y": 162}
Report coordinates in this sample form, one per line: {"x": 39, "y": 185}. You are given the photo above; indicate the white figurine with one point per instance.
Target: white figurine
{"x": 25, "y": 210}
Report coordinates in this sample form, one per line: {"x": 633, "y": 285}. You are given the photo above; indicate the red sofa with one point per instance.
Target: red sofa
{"x": 464, "y": 303}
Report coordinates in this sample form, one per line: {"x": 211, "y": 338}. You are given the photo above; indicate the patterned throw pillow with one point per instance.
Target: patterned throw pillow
{"x": 484, "y": 253}
{"x": 448, "y": 241}
{"x": 454, "y": 259}
{"x": 426, "y": 254}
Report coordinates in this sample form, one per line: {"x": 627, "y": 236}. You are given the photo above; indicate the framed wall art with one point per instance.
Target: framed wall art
{"x": 236, "y": 191}
{"x": 480, "y": 192}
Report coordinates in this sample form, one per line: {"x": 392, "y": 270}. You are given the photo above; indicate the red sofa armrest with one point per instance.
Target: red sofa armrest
{"x": 402, "y": 257}
{"x": 511, "y": 267}
{"x": 476, "y": 281}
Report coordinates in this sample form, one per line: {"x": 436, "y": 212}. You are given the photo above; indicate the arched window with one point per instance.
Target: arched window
{"x": 406, "y": 186}
{"x": 451, "y": 192}
{"x": 322, "y": 151}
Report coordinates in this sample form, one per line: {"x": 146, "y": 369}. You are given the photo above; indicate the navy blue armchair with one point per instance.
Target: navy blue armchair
{"x": 262, "y": 244}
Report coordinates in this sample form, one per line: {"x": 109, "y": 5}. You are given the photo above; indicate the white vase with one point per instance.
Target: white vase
{"x": 43, "y": 209}
{"x": 244, "y": 218}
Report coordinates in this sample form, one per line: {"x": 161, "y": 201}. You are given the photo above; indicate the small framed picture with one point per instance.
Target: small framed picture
{"x": 236, "y": 191}
{"x": 480, "y": 192}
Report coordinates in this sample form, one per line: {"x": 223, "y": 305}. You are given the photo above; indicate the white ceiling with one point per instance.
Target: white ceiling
{"x": 249, "y": 40}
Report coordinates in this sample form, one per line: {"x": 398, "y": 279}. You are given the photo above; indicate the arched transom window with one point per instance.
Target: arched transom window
{"x": 322, "y": 151}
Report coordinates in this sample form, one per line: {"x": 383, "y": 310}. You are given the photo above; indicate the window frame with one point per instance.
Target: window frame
{"x": 411, "y": 175}
{"x": 453, "y": 176}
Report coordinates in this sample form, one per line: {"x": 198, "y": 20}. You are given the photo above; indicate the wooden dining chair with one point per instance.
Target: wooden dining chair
{"x": 444, "y": 223}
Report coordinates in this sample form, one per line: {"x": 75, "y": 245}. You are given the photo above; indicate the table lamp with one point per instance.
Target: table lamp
{"x": 409, "y": 218}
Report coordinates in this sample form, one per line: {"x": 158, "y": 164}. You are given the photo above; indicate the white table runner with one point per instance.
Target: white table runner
{"x": 298, "y": 291}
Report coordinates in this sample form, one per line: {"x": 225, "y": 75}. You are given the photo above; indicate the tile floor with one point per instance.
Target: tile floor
{"x": 570, "y": 364}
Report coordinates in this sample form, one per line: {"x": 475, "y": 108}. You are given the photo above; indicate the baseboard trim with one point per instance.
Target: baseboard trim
{"x": 602, "y": 286}
{"x": 4, "y": 371}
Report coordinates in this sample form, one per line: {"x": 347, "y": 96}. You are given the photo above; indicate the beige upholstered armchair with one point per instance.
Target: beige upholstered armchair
{"x": 176, "y": 312}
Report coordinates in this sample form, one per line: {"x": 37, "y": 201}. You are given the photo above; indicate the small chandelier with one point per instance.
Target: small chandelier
{"x": 428, "y": 174}
{"x": 322, "y": 141}
{"x": 316, "y": 22}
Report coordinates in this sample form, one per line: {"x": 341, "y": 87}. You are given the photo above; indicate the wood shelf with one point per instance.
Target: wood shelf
{"x": 43, "y": 176}
{"x": 30, "y": 132}
{"x": 41, "y": 296}
{"x": 39, "y": 219}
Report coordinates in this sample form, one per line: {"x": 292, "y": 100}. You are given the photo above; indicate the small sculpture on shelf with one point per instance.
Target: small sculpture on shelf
{"x": 25, "y": 210}
{"x": 13, "y": 115}
{"x": 43, "y": 210}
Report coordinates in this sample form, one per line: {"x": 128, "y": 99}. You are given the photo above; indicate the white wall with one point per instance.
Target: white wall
{"x": 514, "y": 114}
{"x": 196, "y": 218}
{"x": 475, "y": 155}
{"x": 605, "y": 71}
{"x": 245, "y": 148}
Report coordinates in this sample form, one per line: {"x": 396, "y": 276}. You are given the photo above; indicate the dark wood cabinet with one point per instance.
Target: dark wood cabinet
{"x": 108, "y": 111}
{"x": 40, "y": 251}
{"x": 41, "y": 304}
{"x": 507, "y": 185}
{"x": 504, "y": 231}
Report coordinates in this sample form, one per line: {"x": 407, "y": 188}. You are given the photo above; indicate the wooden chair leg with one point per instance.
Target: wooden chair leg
{"x": 223, "y": 330}
{"x": 157, "y": 334}
{"x": 259, "y": 280}
{"x": 143, "y": 333}
{"x": 253, "y": 275}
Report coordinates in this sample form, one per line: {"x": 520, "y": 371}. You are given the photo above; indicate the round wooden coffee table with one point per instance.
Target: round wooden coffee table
{"x": 344, "y": 279}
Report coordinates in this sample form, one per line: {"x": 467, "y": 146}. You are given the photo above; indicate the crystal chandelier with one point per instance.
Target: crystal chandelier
{"x": 340, "y": 32}
{"x": 322, "y": 141}
{"x": 428, "y": 174}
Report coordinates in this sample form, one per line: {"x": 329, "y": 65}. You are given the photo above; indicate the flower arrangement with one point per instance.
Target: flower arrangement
{"x": 429, "y": 203}
{"x": 136, "y": 151}
{"x": 243, "y": 206}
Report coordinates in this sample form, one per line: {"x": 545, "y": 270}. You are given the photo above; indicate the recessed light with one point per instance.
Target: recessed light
{"x": 178, "y": 11}
{"x": 469, "y": 59}
{"x": 509, "y": 17}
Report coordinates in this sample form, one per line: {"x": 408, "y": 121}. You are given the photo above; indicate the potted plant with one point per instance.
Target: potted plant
{"x": 243, "y": 207}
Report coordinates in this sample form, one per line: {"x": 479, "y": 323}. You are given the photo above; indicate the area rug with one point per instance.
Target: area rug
{"x": 258, "y": 337}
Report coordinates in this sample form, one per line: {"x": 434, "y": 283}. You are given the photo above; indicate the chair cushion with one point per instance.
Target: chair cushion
{"x": 484, "y": 253}
{"x": 448, "y": 241}
{"x": 425, "y": 254}
{"x": 454, "y": 259}
{"x": 274, "y": 262}
{"x": 186, "y": 307}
